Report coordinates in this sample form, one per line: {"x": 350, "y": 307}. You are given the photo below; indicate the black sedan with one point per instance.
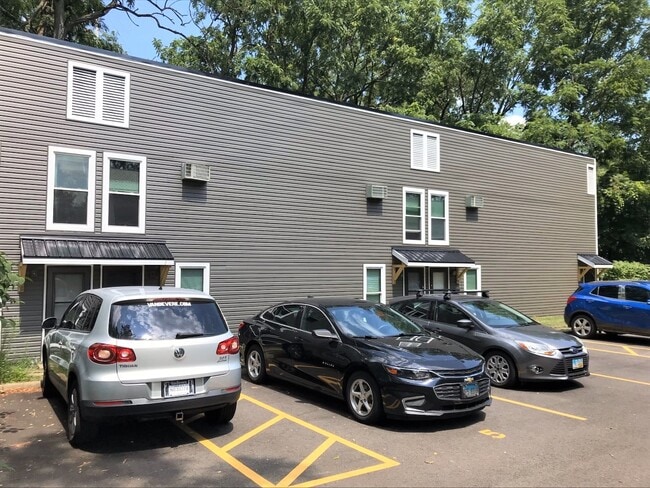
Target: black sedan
{"x": 378, "y": 361}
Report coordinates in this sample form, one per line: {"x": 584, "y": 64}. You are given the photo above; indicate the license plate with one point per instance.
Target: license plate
{"x": 577, "y": 363}
{"x": 178, "y": 388}
{"x": 470, "y": 390}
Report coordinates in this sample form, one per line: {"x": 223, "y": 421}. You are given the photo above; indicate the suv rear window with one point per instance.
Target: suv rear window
{"x": 171, "y": 318}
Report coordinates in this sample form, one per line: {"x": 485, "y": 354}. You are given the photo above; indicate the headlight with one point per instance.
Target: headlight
{"x": 409, "y": 374}
{"x": 540, "y": 349}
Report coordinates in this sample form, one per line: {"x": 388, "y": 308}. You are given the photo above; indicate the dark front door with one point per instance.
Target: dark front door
{"x": 64, "y": 283}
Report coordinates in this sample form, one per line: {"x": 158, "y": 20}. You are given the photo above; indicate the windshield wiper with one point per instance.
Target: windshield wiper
{"x": 182, "y": 335}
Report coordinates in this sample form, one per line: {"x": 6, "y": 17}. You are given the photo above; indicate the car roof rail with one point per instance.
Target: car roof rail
{"x": 447, "y": 292}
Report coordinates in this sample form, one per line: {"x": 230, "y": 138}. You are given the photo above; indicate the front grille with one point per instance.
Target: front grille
{"x": 571, "y": 351}
{"x": 563, "y": 367}
{"x": 458, "y": 373}
{"x": 451, "y": 391}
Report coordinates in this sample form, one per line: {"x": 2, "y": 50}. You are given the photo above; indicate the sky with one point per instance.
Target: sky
{"x": 136, "y": 36}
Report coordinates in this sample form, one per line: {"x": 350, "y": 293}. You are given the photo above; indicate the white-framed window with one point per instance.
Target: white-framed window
{"x": 425, "y": 150}
{"x": 124, "y": 193}
{"x": 413, "y": 201}
{"x": 70, "y": 189}
{"x": 98, "y": 95}
{"x": 195, "y": 276}
{"x": 374, "y": 283}
{"x": 472, "y": 279}
{"x": 591, "y": 179}
{"x": 438, "y": 217}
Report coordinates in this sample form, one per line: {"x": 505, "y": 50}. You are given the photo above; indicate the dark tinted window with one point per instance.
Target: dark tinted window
{"x": 418, "y": 309}
{"x": 375, "y": 321}
{"x": 315, "y": 319}
{"x": 165, "y": 319}
{"x": 284, "y": 315}
{"x": 609, "y": 291}
{"x": 449, "y": 314}
{"x": 636, "y": 293}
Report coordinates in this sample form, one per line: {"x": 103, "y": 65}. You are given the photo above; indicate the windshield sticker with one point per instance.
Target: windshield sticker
{"x": 169, "y": 304}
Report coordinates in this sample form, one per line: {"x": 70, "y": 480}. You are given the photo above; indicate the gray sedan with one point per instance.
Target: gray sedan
{"x": 516, "y": 348}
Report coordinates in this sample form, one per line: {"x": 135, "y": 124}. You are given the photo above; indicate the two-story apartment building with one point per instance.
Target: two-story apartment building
{"x": 115, "y": 171}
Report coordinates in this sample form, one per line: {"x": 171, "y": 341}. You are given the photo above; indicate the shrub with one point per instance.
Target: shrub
{"x": 627, "y": 270}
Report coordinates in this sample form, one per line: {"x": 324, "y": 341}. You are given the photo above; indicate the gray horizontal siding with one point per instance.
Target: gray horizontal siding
{"x": 285, "y": 213}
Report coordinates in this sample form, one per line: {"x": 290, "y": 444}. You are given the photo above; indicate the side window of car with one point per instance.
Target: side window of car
{"x": 94, "y": 304}
{"x": 418, "y": 309}
{"x": 71, "y": 315}
{"x": 314, "y": 319}
{"x": 636, "y": 294}
{"x": 285, "y": 315}
{"x": 449, "y": 314}
{"x": 608, "y": 291}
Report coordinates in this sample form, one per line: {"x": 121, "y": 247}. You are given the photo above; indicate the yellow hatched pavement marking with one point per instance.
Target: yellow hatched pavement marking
{"x": 541, "y": 409}
{"x": 645, "y": 383}
{"x": 331, "y": 439}
{"x": 628, "y": 349}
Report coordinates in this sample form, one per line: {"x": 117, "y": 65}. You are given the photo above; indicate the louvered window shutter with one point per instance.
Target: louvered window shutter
{"x": 417, "y": 151}
{"x": 114, "y": 91}
{"x": 432, "y": 153}
{"x": 84, "y": 92}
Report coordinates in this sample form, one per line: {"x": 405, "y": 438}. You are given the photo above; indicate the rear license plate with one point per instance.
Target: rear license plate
{"x": 577, "y": 363}
{"x": 470, "y": 390}
{"x": 178, "y": 388}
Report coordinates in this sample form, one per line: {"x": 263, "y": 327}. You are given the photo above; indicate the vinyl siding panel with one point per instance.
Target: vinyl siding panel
{"x": 285, "y": 213}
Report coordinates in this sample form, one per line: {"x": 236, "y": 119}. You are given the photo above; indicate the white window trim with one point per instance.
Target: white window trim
{"x": 421, "y": 192}
{"x": 444, "y": 241}
{"x": 478, "y": 279}
{"x": 206, "y": 274}
{"x": 99, "y": 94}
{"x": 140, "y": 229}
{"x": 89, "y": 226}
{"x": 591, "y": 179}
{"x": 422, "y": 165}
{"x": 382, "y": 280}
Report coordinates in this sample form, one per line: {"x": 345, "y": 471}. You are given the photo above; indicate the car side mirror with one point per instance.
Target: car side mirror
{"x": 49, "y": 323}
{"x": 324, "y": 334}
{"x": 465, "y": 323}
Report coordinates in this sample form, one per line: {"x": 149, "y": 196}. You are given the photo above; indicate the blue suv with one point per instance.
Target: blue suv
{"x": 617, "y": 307}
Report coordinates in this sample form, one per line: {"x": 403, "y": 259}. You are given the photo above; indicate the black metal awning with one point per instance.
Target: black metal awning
{"x": 432, "y": 257}
{"x": 594, "y": 261}
{"x": 88, "y": 251}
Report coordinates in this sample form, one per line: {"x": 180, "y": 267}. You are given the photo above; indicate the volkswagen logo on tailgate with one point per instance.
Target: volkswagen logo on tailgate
{"x": 179, "y": 352}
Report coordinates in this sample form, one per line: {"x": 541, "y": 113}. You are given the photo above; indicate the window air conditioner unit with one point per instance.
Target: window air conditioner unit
{"x": 376, "y": 192}
{"x": 196, "y": 172}
{"x": 474, "y": 201}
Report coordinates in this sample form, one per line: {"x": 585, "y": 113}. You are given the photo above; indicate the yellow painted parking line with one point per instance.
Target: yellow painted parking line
{"x": 234, "y": 462}
{"x": 645, "y": 383}
{"x": 628, "y": 352}
{"x": 330, "y": 439}
{"x": 541, "y": 409}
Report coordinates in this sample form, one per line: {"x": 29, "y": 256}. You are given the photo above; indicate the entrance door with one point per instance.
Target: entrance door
{"x": 438, "y": 279}
{"x": 64, "y": 283}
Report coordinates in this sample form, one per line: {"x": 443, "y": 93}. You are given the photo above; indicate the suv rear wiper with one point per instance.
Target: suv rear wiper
{"x": 182, "y": 335}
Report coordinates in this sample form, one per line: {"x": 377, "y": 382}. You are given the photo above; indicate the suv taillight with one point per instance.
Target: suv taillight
{"x": 571, "y": 298}
{"x": 230, "y": 346}
{"x": 110, "y": 354}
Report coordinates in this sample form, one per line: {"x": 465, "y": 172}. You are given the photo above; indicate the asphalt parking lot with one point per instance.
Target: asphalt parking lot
{"x": 590, "y": 432}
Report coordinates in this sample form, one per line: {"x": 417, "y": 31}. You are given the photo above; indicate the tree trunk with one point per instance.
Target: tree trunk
{"x": 59, "y": 19}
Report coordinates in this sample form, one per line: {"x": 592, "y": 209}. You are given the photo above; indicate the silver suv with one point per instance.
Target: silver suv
{"x": 141, "y": 351}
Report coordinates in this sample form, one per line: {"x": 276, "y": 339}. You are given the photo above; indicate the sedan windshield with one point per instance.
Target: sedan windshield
{"x": 496, "y": 314}
{"x": 372, "y": 321}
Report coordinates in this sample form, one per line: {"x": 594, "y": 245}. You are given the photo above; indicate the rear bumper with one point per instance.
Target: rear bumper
{"x": 159, "y": 408}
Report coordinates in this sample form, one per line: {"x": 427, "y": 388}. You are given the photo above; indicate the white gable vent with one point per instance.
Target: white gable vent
{"x": 196, "y": 172}
{"x": 376, "y": 192}
{"x": 474, "y": 201}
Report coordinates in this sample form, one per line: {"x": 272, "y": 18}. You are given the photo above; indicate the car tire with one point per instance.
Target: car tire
{"x": 221, "y": 415}
{"x": 583, "y": 326}
{"x": 47, "y": 388}
{"x": 364, "y": 398}
{"x": 79, "y": 429}
{"x": 256, "y": 364}
{"x": 501, "y": 369}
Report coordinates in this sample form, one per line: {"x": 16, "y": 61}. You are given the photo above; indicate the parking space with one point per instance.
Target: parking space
{"x": 591, "y": 432}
